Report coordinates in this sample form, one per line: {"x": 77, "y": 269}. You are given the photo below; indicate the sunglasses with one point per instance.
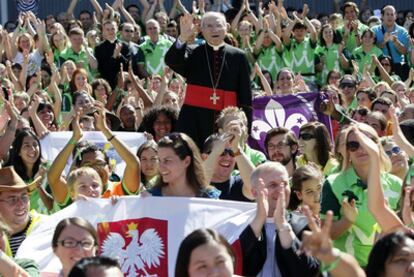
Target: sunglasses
{"x": 395, "y": 150}
{"x": 306, "y": 136}
{"x": 227, "y": 151}
{"x": 352, "y": 146}
{"x": 347, "y": 85}
{"x": 362, "y": 112}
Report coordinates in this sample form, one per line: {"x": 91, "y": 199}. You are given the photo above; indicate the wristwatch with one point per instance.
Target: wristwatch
{"x": 284, "y": 227}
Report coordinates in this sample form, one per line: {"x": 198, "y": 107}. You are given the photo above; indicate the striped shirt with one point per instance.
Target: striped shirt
{"x": 17, "y": 239}
{"x": 27, "y": 5}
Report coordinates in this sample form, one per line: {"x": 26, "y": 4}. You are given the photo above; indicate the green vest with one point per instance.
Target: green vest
{"x": 351, "y": 41}
{"x": 359, "y": 239}
{"x": 363, "y": 58}
{"x": 154, "y": 54}
{"x": 269, "y": 59}
{"x": 331, "y": 55}
{"x": 301, "y": 58}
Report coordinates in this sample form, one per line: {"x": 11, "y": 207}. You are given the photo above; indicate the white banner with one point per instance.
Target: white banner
{"x": 54, "y": 142}
{"x": 151, "y": 227}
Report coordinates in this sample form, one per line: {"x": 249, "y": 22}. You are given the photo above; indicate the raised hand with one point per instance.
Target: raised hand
{"x": 350, "y": 210}
{"x": 407, "y": 214}
{"x": 222, "y": 143}
{"x": 34, "y": 105}
{"x": 187, "y": 27}
{"x": 366, "y": 143}
{"x": 280, "y": 211}
{"x": 100, "y": 117}
{"x": 261, "y": 195}
{"x": 235, "y": 130}
{"x": 117, "y": 51}
{"x": 77, "y": 131}
{"x": 318, "y": 242}
{"x": 305, "y": 11}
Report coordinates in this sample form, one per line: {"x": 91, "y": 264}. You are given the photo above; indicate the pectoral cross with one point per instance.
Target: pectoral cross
{"x": 214, "y": 98}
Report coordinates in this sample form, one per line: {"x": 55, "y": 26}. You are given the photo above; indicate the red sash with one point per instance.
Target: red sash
{"x": 204, "y": 97}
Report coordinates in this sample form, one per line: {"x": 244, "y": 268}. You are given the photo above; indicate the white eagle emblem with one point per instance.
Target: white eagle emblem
{"x": 142, "y": 252}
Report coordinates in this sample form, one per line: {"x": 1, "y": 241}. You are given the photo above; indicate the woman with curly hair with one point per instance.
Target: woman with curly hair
{"x": 159, "y": 121}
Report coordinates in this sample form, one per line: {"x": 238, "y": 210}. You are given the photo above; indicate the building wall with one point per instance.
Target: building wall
{"x": 316, "y": 6}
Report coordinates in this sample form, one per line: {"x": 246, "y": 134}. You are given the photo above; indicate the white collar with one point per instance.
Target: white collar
{"x": 216, "y": 47}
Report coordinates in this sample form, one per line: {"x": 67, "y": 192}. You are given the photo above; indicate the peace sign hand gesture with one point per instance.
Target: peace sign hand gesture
{"x": 317, "y": 242}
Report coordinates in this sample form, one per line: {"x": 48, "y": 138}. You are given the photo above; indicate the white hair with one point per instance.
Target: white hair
{"x": 218, "y": 15}
{"x": 152, "y": 20}
{"x": 275, "y": 167}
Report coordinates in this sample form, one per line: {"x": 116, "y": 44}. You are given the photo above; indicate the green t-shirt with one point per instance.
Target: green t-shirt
{"x": 152, "y": 55}
{"x": 359, "y": 239}
{"x": 77, "y": 58}
{"x": 351, "y": 41}
{"x": 331, "y": 55}
{"x": 363, "y": 58}
{"x": 270, "y": 59}
{"x": 30, "y": 266}
{"x": 300, "y": 57}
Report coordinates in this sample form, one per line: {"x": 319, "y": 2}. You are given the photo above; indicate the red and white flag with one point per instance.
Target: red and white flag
{"x": 142, "y": 233}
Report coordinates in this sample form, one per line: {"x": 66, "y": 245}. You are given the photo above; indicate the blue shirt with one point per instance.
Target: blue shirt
{"x": 402, "y": 36}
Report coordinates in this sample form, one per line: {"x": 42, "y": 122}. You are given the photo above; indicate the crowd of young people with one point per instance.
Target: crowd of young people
{"x": 336, "y": 208}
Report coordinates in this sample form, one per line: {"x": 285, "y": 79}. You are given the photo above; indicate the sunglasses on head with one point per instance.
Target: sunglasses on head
{"x": 395, "y": 150}
{"x": 227, "y": 151}
{"x": 306, "y": 136}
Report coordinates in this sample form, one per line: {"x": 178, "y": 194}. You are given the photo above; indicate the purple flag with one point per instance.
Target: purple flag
{"x": 290, "y": 111}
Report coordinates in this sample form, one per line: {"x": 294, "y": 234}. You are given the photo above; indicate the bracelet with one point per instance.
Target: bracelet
{"x": 111, "y": 138}
{"x": 327, "y": 268}
{"x": 237, "y": 153}
{"x": 284, "y": 227}
{"x": 73, "y": 142}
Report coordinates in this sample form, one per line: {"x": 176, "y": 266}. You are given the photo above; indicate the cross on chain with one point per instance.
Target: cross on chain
{"x": 214, "y": 98}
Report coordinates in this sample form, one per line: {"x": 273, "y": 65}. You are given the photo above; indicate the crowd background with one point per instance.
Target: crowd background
{"x": 320, "y": 205}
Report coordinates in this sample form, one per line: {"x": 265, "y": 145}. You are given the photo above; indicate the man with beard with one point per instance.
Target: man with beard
{"x": 282, "y": 146}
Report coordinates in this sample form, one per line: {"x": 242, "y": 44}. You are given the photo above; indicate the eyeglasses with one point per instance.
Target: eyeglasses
{"x": 227, "y": 151}
{"x": 280, "y": 145}
{"x": 129, "y": 31}
{"x": 13, "y": 200}
{"x": 352, "y": 146}
{"x": 306, "y": 136}
{"x": 71, "y": 243}
{"x": 395, "y": 150}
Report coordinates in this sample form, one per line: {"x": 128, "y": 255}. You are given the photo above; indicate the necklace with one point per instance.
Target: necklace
{"x": 214, "y": 97}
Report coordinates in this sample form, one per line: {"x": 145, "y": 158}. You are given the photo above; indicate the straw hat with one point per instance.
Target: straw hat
{"x": 10, "y": 180}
